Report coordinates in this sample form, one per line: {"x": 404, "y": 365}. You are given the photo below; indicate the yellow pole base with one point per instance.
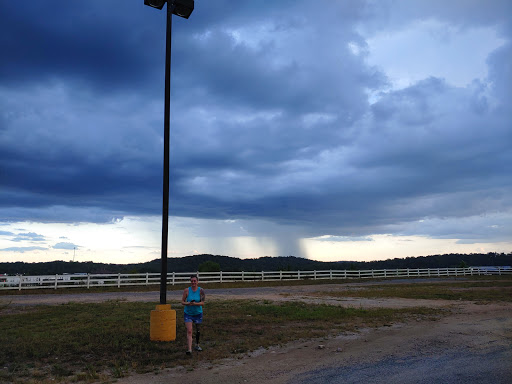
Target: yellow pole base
{"x": 162, "y": 325}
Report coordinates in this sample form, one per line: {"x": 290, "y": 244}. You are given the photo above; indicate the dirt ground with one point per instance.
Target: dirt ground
{"x": 472, "y": 343}
{"x": 479, "y": 335}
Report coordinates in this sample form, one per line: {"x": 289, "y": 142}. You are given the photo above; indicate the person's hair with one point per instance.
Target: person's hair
{"x": 194, "y": 277}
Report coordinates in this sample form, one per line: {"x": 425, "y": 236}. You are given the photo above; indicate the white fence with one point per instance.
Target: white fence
{"x": 124, "y": 279}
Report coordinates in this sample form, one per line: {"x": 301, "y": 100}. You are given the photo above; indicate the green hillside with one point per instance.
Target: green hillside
{"x": 226, "y": 263}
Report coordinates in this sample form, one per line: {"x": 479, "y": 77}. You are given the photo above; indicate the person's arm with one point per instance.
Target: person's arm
{"x": 202, "y": 297}
{"x": 184, "y": 297}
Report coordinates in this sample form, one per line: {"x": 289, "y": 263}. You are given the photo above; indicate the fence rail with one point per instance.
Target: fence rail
{"x": 173, "y": 278}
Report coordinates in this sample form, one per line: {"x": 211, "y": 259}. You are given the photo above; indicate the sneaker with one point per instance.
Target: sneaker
{"x": 198, "y": 348}
{"x": 189, "y": 353}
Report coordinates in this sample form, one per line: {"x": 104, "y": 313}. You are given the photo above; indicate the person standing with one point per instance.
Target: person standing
{"x": 193, "y": 299}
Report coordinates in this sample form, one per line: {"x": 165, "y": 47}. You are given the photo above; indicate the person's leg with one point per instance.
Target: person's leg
{"x": 198, "y": 334}
{"x": 189, "y": 327}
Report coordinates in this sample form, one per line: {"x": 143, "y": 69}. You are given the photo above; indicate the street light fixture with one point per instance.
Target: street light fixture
{"x": 155, "y": 3}
{"x": 182, "y": 8}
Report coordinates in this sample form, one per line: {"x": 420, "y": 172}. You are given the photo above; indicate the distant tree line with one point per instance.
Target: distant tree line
{"x": 209, "y": 263}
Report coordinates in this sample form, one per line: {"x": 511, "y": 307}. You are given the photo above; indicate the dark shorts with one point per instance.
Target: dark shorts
{"x": 196, "y": 319}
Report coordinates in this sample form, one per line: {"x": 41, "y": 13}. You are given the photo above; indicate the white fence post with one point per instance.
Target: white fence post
{"x": 41, "y": 282}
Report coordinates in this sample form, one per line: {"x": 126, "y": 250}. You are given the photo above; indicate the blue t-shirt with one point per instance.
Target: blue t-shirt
{"x": 193, "y": 310}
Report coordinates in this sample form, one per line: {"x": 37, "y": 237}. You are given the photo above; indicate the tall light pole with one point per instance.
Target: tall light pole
{"x": 163, "y": 319}
{"x": 182, "y": 8}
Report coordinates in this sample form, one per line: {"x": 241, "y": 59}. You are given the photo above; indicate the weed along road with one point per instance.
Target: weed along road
{"x": 461, "y": 334}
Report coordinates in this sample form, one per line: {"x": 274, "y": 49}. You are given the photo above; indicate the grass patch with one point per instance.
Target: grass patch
{"x": 496, "y": 290}
{"x": 103, "y": 341}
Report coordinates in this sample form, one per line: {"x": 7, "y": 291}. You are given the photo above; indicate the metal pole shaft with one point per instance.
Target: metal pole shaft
{"x": 165, "y": 204}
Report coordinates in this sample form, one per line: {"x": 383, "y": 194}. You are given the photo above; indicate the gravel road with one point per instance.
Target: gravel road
{"x": 276, "y": 293}
{"x": 450, "y": 366}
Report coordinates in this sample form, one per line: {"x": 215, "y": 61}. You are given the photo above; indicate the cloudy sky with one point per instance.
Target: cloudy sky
{"x": 339, "y": 130}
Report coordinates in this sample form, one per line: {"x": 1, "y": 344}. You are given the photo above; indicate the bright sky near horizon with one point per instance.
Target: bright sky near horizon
{"x": 367, "y": 130}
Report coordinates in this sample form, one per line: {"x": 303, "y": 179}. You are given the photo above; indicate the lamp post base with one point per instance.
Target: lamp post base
{"x": 162, "y": 325}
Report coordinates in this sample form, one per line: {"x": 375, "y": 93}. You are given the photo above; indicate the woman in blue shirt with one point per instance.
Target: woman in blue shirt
{"x": 193, "y": 300}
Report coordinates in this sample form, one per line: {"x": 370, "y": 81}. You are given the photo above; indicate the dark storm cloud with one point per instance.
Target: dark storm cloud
{"x": 271, "y": 118}
{"x": 393, "y": 14}
{"x": 430, "y": 150}
{"x": 51, "y": 164}
{"x": 500, "y": 75}
{"x": 83, "y": 43}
